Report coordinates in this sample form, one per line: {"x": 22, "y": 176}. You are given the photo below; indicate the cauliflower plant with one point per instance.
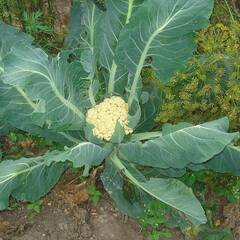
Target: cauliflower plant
{"x": 105, "y": 115}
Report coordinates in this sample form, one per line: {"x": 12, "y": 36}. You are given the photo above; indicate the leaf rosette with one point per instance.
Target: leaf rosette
{"x": 90, "y": 97}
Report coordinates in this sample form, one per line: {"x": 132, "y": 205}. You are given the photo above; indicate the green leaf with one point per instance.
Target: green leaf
{"x": 149, "y": 109}
{"x": 10, "y": 37}
{"x": 116, "y": 16}
{"x": 87, "y": 154}
{"x": 27, "y": 179}
{"x": 75, "y": 25}
{"x": 215, "y": 234}
{"x": 114, "y": 185}
{"x": 170, "y": 191}
{"x": 177, "y": 195}
{"x": 84, "y": 154}
{"x": 196, "y": 144}
{"x": 11, "y": 97}
{"x": 48, "y": 82}
{"x": 12, "y": 116}
{"x": 89, "y": 45}
{"x": 228, "y": 161}
{"x": 5, "y": 128}
{"x": 163, "y": 32}
{"x": 170, "y": 128}
{"x": 118, "y": 134}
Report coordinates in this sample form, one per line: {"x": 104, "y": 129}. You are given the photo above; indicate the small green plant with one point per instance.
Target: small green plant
{"x": 153, "y": 219}
{"x": 33, "y": 23}
{"x": 35, "y": 207}
{"x": 14, "y": 206}
{"x": 94, "y": 194}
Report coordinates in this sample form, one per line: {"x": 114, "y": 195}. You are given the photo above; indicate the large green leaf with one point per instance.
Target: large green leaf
{"x": 48, "y": 83}
{"x": 116, "y": 16}
{"x": 170, "y": 191}
{"x": 9, "y": 37}
{"x": 5, "y": 128}
{"x": 163, "y": 33}
{"x": 196, "y": 144}
{"x": 228, "y": 161}
{"x": 84, "y": 154}
{"x": 88, "y": 154}
{"x": 28, "y": 179}
{"x": 17, "y": 107}
{"x": 17, "y": 113}
{"x": 177, "y": 195}
{"x": 89, "y": 45}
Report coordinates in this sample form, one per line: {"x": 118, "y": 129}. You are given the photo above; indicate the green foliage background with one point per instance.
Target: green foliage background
{"x": 210, "y": 86}
{"x": 35, "y": 17}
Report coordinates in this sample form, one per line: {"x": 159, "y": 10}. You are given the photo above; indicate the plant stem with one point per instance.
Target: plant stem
{"x": 229, "y": 9}
{"x": 91, "y": 95}
{"x": 117, "y": 162}
{"x": 112, "y": 78}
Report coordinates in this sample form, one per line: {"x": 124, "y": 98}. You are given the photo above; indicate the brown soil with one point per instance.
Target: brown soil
{"x": 59, "y": 221}
{"x": 231, "y": 213}
{"x": 66, "y": 214}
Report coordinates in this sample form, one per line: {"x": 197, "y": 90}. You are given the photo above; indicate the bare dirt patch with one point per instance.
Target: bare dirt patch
{"x": 67, "y": 215}
{"x": 60, "y": 223}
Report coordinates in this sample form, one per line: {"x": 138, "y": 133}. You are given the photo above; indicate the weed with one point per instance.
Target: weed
{"x": 94, "y": 195}
{"x": 35, "y": 206}
{"x": 153, "y": 219}
{"x": 34, "y": 24}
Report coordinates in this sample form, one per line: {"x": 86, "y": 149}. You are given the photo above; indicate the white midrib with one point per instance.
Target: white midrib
{"x": 130, "y": 8}
{"x": 92, "y": 27}
{"x": 71, "y": 106}
{"x": 143, "y": 57}
{"x": 29, "y": 101}
{"x": 112, "y": 77}
{"x": 117, "y": 162}
{"x": 91, "y": 94}
{"x": 113, "y": 69}
{"x": 34, "y": 106}
{"x": 16, "y": 174}
{"x": 67, "y": 103}
{"x": 81, "y": 145}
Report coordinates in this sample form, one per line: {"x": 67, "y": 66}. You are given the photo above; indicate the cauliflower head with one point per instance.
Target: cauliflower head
{"x": 105, "y": 115}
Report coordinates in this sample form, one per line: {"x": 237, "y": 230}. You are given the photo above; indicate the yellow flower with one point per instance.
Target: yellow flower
{"x": 217, "y": 222}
